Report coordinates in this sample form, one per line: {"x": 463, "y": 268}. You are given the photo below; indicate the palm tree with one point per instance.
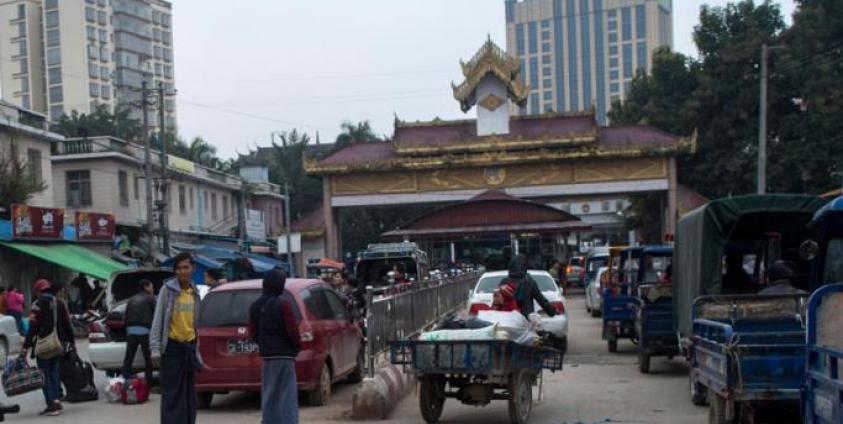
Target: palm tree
{"x": 203, "y": 153}
{"x": 360, "y": 132}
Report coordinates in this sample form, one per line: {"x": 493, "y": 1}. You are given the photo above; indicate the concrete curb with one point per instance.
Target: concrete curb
{"x": 376, "y": 397}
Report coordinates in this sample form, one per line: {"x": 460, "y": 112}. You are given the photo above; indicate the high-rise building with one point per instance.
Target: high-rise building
{"x": 60, "y": 56}
{"x": 578, "y": 54}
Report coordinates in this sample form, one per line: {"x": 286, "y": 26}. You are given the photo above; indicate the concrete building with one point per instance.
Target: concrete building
{"x": 27, "y": 130}
{"x": 60, "y": 56}
{"x": 106, "y": 174}
{"x": 578, "y": 54}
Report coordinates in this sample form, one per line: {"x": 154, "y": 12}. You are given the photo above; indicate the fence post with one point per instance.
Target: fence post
{"x": 370, "y": 342}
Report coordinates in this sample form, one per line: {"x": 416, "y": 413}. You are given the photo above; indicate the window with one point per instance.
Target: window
{"x": 90, "y": 14}
{"x": 136, "y": 183}
{"x": 24, "y": 84}
{"x": 101, "y": 3}
{"x": 519, "y": 39}
{"x": 53, "y": 56}
{"x": 182, "y": 202}
{"x": 56, "y": 94}
{"x": 93, "y": 70}
{"x": 613, "y": 13}
{"x": 613, "y": 75}
{"x": 33, "y": 165}
{"x": 54, "y": 75}
{"x": 105, "y": 91}
{"x": 22, "y": 29}
{"x": 533, "y": 37}
{"x": 613, "y": 62}
{"x": 547, "y": 95}
{"x": 157, "y": 52}
{"x": 613, "y": 25}
{"x": 547, "y": 82}
{"x": 51, "y": 4}
{"x": 545, "y": 35}
{"x": 101, "y": 17}
{"x": 619, "y": 205}
{"x": 165, "y": 20}
{"x": 627, "y": 60}
{"x": 22, "y": 48}
{"x": 168, "y": 37}
{"x": 227, "y": 308}
{"x": 613, "y": 38}
{"x": 92, "y": 33}
{"x": 626, "y": 23}
{"x": 25, "y": 101}
{"x": 123, "y": 187}
{"x": 56, "y": 111}
{"x": 168, "y": 71}
{"x": 613, "y": 50}
{"x": 224, "y": 206}
{"x": 546, "y": 71}
{"x": 51, "y": 19}
{"x": 24, "y": 66}
{"x": 546, "y": 60}
{"x": 105, "y": 73}
{"x": 546, "y": 47}
{"x": 191, "y": 198}
{"x": 614, "y": 88}
{"x": 94, "y": 89}
{"x": 156, "y": 17}
{"x": 93, "y": 52}
{"x": 52, "y": 38}
{"x": 103, "y": 36}
{"x": 21, "y": 11}
{"x": 78, "y": 188}
{"x": 214, "y": 206}
{"x": 156, "y": 34}
{"x": 642, "y": 54}
{"x": 206, "y": 201}
{"x": 104, "y": 54}
{"x": 337, "y": 306}
{"x": 546, "y": 23}
{"x": 604, "y": 206}
{"x": 157, "y": 69}
{"x": 640, "y": 21}
{"x": 316, "y": 302}
{"x": 168, "y": 54}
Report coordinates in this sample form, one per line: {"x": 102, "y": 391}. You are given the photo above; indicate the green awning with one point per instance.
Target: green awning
{"x": 72, "y": 257}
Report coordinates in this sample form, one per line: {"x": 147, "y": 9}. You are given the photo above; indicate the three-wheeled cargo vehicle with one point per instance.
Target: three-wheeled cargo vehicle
{"x": 653, "y": 306}
{"x": 475, "y": 372}
{"x": 823, "y": 402}
{"x": 745, "y": 349}
{"x": 618, "y": 314}
{"x": 392, "y": 264}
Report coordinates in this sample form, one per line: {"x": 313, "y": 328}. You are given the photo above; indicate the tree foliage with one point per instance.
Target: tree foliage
{"x": 287, "y": 166}
{"x": 360, "y": 132}
{"x": 17, "y": 184}
{"x": 100, "y": 122}
{"x": 717, "y": 95}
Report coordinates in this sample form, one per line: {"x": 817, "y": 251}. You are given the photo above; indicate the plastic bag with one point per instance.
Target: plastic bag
{"x": 487, "y": 333}
{"x": 114, "y": 391}
{"x": 135, "y": 391}
{"x": 511, "y": 326}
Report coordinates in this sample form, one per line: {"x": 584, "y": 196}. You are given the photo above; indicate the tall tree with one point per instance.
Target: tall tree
{"x": 204, "y": 153}
{"x": 17, "y": 184}
{"x": 305, "y": 191}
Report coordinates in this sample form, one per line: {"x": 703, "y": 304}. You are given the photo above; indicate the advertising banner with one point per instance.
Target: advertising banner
{"x": 29, "y": 222}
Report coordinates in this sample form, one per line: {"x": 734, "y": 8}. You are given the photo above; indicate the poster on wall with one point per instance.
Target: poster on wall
{"x": 94, "y": 226}
{"x": 29, "y": 222}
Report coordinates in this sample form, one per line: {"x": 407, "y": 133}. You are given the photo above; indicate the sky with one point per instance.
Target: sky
{"x": 247, "y": 69}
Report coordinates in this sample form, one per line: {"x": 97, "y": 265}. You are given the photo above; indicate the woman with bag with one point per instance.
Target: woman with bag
{"x": 50, "y": 336}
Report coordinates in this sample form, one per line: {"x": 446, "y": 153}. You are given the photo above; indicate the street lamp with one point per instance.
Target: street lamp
{"x": 287, "y": 225}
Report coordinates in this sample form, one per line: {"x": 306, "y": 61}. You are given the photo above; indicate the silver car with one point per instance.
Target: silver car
{"x": 11, "y": 341}
{"x": 108, "y": 337}
{"x": 593, "y": 296}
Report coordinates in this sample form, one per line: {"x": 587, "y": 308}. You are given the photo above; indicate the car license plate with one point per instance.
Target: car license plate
{"x": 242, "y": 347}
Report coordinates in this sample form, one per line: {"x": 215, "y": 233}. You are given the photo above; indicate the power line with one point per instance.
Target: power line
{"x": 350, "y": 98}
{"x": 251, "y": 115}
{"x": 321, "y": 77}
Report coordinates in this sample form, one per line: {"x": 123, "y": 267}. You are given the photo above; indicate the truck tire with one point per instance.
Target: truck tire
{"x": 699, "y": 393}
{"x": 520, "y": 398}
{"x": 717, "y": 410}
{"x": 643, "y": 361}
{"x": 431, "y": 399}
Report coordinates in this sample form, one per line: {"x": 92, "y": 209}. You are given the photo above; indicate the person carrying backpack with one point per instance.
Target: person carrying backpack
{"x": 50, "y": 336}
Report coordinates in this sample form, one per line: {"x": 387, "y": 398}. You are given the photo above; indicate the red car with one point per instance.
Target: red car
{"x": 332, "y": 348}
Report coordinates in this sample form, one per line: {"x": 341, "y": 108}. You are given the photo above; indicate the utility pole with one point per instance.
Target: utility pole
{"x": 147, "y": 164}
{"x": 762, "y": 124}
{"x": 287, "y": 225}
{"x": 165, "y": 195}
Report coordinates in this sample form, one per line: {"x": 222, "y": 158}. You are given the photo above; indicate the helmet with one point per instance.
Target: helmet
{"x": 42, "y": 285}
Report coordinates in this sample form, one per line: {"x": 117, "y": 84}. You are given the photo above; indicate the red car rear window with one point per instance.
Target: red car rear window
{"x": 227, "y": 308}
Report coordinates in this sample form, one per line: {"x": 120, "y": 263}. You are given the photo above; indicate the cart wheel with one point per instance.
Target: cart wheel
{"x": 699, "y": 393}
{"x": 520, "y": 398}
{"x": 431, "y": 399}
{"x": 613, "y": 346}
{"x": 643, "y": 362}
{"x": 717, "y": 410}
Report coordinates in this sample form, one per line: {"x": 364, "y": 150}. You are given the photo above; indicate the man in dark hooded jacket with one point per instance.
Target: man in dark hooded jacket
{"x": 526, "y": 289}
{"x": 274, "y": 324}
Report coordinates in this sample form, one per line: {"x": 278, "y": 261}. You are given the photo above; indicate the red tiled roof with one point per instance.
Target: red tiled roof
{"x": 634, "y": 136}
{"x": 357, "y": 152}
{"x": 313, "y": 221}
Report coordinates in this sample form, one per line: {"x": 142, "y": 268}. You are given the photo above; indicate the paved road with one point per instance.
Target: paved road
{"x": 594, "y": 387}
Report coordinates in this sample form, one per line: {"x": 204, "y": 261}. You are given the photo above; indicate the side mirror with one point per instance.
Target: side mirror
{"x": 808, "y": 250}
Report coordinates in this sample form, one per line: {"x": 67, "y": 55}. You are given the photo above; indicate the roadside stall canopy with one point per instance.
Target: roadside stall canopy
{"x": 703, "y": 235}
{"x": 71, "y": 256}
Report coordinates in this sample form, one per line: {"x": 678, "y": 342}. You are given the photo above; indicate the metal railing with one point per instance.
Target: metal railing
{"x": 397, "y": 316}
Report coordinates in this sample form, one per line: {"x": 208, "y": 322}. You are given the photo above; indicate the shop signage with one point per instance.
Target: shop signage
{"x": 29, "y": 222}
{"x": 255, "y": 225}
{"x": 295, "y": 243}
{"x": 94, "y": 226}
{"x": 180, "y": 164}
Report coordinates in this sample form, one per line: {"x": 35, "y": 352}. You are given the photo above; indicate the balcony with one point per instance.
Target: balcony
{"x": 82, "y": 146}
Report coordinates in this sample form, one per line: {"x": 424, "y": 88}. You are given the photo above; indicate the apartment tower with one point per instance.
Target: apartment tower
{"x": 579, "y": 54}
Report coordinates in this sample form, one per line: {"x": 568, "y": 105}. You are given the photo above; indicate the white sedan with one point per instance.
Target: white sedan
{"x": 480, "y": 298}
{"x": 593, "y": 296}
{"x": 10, "y": 339}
